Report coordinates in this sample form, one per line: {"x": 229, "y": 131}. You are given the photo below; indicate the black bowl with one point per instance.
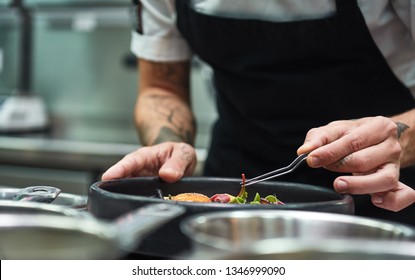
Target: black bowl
{"x": 110, "y": 199}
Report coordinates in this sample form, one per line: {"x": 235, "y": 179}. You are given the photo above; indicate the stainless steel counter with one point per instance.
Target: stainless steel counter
{"x": 80, "y": 150}
{"x": 65, "y": 154}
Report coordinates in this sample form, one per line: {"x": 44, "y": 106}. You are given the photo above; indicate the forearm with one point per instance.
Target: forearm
{"x": 406, "y": 134}
{"x": 161, "y": 116}
{"x": 163, "y": 111}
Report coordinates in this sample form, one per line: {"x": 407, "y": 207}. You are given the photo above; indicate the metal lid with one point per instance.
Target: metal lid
{"x": 62, "y": 199}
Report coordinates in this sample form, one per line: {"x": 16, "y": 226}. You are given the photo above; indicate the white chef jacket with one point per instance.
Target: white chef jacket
{"x": 391, "y": 23}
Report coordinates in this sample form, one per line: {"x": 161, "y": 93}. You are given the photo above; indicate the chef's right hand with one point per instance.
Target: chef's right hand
{"x": 369, "y": 149}
{"x": 170, "y": 161}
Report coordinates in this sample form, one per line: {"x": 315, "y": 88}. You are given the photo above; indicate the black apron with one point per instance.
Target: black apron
{"x": 277, "y": 80}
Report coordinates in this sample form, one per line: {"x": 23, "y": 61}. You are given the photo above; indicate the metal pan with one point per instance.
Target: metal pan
{"x": 295, "y": 235}
{"x": 294, "y": 249}
{"x": 109, "y": 199}
{"x": 41, "y": 236}
{"x": 24, "y": 207}
{"x": 67, "y": 205}
{"x": 62, "y": 199}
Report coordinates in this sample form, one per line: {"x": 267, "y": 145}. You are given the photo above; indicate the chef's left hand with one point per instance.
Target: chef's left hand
{"x": 369, "y": 149}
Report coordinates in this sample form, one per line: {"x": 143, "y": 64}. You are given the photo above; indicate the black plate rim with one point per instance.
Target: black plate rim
{"x": 344, "y": 199}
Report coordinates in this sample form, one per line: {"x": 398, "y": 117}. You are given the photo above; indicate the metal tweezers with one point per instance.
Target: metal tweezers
{"x": 291, "y": 167}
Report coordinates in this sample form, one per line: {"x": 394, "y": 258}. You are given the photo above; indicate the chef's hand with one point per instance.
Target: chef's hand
{"x": 171, "y": 161}
{"x": 369, "y": 149}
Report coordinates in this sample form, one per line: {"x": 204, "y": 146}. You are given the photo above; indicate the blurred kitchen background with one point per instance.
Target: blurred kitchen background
{"x": 71, "y": 59}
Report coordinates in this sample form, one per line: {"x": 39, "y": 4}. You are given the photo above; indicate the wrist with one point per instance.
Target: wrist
{"x": 405, "y": 125}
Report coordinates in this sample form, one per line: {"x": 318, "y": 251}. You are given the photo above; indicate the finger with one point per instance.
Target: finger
{"x": 126, "y": 167}
{"x": 320, "y": 136}
{"x": 384, "y": 179}
{"x": 395, "y": 200}
{"x": 369, "y": 158}
{"x": 363, "y": 135}
{"x": 181, "y": 162}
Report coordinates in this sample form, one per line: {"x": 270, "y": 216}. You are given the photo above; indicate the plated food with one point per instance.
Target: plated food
{"x": 240, "y": 198}
{"x": 111, "y": 199}
{"x": 192, "y": 197}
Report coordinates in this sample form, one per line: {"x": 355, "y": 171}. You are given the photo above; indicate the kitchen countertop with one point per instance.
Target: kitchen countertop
{"x": 85, "y": 145}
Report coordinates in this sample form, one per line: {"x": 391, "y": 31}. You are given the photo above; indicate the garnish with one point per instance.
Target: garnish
{"x": 242, "y": 195}
{"x": 241, "y": 198}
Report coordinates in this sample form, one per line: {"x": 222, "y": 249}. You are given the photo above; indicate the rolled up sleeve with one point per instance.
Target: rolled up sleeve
{"x": 158, "y": 39}
{"x": 159, "y": 48}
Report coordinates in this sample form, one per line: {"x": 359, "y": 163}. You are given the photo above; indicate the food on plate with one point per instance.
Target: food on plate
{"x": 240, "y": 198}
{"x": 222, "y": 198}
{"x": 193, "y": 197}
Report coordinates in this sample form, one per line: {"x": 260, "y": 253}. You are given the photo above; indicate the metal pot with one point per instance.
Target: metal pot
{"x": 295, "y": 235}
{"x": 23, "y": 207}
{"x": 289, "y": 249}
{"x": 52, "y": 202}
{"x": 109, "y": 199}
{"x": 54, "y": 196}
{"x": 40, "y": 236}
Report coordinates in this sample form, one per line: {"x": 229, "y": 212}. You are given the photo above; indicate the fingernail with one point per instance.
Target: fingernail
{"x": 170, "y": 171}
{"x": 377, "y": 199}
{"x": 313, "y": 161}
{"x": 305, "y": 147}
{"x": 341, "y": 186}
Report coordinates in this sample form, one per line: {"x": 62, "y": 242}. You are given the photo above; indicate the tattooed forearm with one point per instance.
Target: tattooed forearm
{"x": 167, "y": 119}
{"x": 401, "y": 127}
{"x": 163, "y": 110}
{"x": 167, "y": 134}
{"x": 169, "y": 73}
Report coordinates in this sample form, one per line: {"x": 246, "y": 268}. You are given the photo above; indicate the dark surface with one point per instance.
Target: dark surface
{"x": 110, "y": 199}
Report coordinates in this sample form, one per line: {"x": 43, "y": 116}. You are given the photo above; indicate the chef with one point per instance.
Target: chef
{"x": 332, "y": 77}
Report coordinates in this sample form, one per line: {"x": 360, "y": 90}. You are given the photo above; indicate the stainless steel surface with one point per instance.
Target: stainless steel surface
{"x": 241, "y": 232}
{"x": 45, "y": 194}
{"x": 61, "y": 153}
{"x": 66, "y": 153}
{"x": 22, "y": 207}
{"x": 72, "y": 155}
{"x": 52, "y": 237}
{"x": 292, "y": 249}
{"x": 279, "y": 172}
{"x": 63, "y": 199}
{"x": 74, "y": 2}
{"x": 69, "y": 181}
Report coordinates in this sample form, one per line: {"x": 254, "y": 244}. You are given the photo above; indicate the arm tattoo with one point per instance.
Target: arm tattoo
{"x": 401, "y": 127}
{"x": 168, "y": 134}
{"x": 178, "y": 125}
{"x": 167, "y": 117}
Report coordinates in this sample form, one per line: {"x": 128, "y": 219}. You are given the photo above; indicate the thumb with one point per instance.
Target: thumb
{"x": 182, "y": 162}
{"x": 170, "y": 173}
